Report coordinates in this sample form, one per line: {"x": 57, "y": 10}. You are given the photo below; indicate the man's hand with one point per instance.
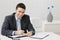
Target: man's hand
{"x": 19, "y": 32}
{"x": 29, "y": 34}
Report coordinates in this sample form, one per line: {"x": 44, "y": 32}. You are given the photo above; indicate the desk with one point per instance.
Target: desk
{"x": 52, "y": 36}
{"x": 4, "y": 38}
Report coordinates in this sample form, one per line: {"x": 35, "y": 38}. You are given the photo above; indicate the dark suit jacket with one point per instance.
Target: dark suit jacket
{"x": 9, "y": 25}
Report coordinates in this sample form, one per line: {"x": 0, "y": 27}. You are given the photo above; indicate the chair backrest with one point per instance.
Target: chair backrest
{"x": 36, "y": 24}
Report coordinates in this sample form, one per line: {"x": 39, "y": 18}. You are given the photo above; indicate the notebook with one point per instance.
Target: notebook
{"x": 18, "y": 36}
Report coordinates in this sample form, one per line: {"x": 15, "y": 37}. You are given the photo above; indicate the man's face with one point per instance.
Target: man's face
{"x": 20, "y": 12}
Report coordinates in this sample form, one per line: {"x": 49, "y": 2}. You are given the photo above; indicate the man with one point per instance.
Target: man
{"x": 18, "y": 23}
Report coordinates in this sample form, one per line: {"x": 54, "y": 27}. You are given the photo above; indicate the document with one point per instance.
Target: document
{"x": 40, "y": 35}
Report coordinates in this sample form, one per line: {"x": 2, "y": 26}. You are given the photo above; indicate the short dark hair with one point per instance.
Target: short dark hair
{"x": 21, "y": 5}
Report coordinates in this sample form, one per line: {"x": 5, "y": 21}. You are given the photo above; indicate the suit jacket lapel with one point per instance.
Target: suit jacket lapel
{"x": 22, "y": 24}
{"x": 14, "y": 22}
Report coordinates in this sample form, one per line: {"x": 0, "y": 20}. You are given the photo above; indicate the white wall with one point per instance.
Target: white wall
{"x": 35, "y": 8}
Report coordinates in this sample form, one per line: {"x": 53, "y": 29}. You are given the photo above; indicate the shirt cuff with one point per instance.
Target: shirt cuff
{"x": 13, "y": 33}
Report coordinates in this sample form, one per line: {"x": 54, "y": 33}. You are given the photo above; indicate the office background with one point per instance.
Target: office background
{"x": 37, "y": 9}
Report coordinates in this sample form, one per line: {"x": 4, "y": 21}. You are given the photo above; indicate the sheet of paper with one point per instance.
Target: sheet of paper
{"x": 40, "y": 35}
{"x": 28, "y": 38}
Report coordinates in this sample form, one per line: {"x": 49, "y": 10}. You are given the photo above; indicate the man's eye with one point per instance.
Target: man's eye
{"x": 19, "y": 11}
{"x": 22, "y": 12}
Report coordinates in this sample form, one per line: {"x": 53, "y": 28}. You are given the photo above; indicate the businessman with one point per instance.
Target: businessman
{"x": 17, "y": 23}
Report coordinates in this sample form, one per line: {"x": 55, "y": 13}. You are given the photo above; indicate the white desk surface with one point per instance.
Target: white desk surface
{"x": 52, "y": 36}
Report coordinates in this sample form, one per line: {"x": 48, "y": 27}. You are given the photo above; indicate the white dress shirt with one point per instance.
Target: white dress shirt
{"x": 18, "y": 23}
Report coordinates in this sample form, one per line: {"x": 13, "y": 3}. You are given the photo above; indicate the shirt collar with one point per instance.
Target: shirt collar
{"x": 16, "y": 18}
